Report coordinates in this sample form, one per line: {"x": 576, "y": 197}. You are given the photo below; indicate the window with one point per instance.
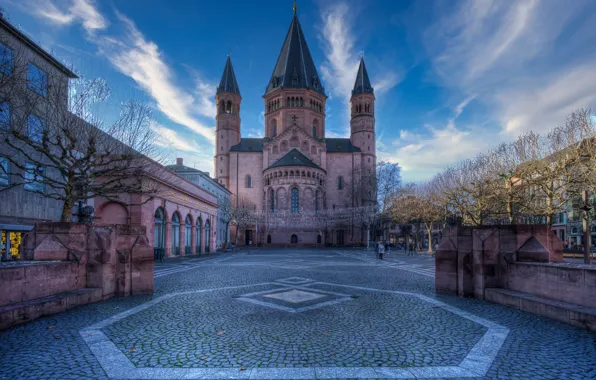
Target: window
{"x": 32, "y": 177}
{"x": 5, "y": 60}
{"x": 175, "y": 234}
{"x": 295, "y": 201}
{"x": 4, "y": 173}
{"x": 340, "y": 183}
{"x": 314, "y": 131}
{"x": 317, "y": 200}
{"x": 4, "y": 115}
{"x": 274, "y": 130}
{"x": 248, "y": 181}
{"x": 37, "y": 80}
{"x": 35, "y": 128}
{"x": 574, "y": 230}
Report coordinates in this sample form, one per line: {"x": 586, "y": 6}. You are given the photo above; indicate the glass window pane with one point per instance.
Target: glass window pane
{"x": 32, "y": 176}
{"x": 5, "y": 60}
{"x": 4, "y": 165}
{"x": 35, "y": 127}
{"x": 4, "y": 115}
{"x": 37, "y": 80}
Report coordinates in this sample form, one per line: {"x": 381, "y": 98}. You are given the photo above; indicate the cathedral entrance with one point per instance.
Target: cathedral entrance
{"x": 340, "y": 237}
{"x": 294, "y": 239}
{"x": 248, "y": 237}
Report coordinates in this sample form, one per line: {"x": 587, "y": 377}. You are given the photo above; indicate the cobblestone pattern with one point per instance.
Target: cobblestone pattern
{"x": 371, "y": 330}
{"x": 51, "y": 347}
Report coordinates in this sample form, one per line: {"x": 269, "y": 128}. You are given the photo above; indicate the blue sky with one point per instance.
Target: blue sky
{"x": 452, "y": 78}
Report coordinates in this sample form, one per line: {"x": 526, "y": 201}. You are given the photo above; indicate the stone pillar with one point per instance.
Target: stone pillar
{"x": 182, "y": 238}
{"x": 168, "y": 239}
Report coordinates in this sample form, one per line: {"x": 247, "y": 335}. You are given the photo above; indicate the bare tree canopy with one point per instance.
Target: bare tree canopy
{"x": 61, "y": 151}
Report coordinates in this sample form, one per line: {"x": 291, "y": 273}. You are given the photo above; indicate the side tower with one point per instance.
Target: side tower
{"x": 362, "y": 125}
{"x": 294, "y": 92}
{"x": 227, "y": 121}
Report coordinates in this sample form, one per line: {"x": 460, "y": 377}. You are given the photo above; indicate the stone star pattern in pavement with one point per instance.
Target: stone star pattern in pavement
{"x": 249, "y": 315}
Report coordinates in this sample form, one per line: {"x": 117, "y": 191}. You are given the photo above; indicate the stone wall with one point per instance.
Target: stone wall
{"x": 74, "y": 264}
{"x": 519, "y": 266}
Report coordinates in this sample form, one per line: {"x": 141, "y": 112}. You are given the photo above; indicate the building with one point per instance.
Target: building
{"x": 204, "y": 181}
{"x": 295, "y": 169}
{"x": 26, "y": 70}
{"x": 180, "y": 221}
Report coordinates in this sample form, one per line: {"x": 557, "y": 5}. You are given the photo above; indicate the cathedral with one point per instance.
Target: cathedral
{"x": 304, "y": 187}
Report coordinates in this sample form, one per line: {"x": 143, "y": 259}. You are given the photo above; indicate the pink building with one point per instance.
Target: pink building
{"x": 181, "y": 221}
{"x": 295, "y": 169}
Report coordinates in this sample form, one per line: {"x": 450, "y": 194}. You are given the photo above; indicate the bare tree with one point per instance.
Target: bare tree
{"x": 62, "y": 152}
{"x": 243, "y": 213}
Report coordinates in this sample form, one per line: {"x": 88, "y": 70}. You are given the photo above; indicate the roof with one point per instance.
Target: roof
{"x": 362, "y": 83}
{"x": 228, "y": 81}
{"x": 36, "y": 48}
{"x": 248, "y": 145}
{"x": 182, "y": 168}
{"x": 294, "y": 158}
{"x": 295, "y": 67}
{"x": 340, "y": 146}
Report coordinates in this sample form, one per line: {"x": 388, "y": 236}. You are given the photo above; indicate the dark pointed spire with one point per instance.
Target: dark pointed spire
{"x": 362, "y": 83}
{"x": 228, "y": 80}
{"x": 295, "y": 67}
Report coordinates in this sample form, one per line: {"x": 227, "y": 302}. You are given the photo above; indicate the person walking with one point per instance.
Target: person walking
{"x": 387, "y": 247}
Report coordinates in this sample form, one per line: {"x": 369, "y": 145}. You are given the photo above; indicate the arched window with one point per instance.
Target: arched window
{"x": 593, "y": 229}
{"x": 295, "y": 201}
{"x": 207, "y": 235}
{"x": 314, "y": 131}
{"x": 273, "y": 127}
{"x": 275, "y": 149}
{"x": 188, "y": 235}
{"x": 319, "y": 239}
{"x": 301, "y": 102}
{"x": 159, "y": 234}
{"x": 175, "y": 234}
{"x": 248, "y": 181}
{"x": 340, "y": 183}
{"x": 284, "y": 146}
{"x": 229, "y": 107}
{"x": 574, "y": 230}
{"x": 294, "y": 239}
{"x": 199, "y": 232}
{"x": 317, "y": 201}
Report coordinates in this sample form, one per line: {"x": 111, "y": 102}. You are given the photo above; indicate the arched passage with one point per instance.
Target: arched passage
{"x": 199, "y": 228}
{"x": 159, "y": 234}
{"x": 207, "y": 235}
{"x": 188, "y": 235}
{"x": 175, "y": 234}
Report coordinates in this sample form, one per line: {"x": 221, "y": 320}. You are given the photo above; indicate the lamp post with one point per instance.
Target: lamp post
{"x": 586, "y": 227}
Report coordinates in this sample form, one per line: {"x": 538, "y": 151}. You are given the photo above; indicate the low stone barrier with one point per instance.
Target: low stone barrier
{"x": 516, "y": 265}
{"x": 70, "y": 264}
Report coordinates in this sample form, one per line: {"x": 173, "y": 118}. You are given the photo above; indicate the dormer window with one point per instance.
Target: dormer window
{"x": 315, "y": 83}
{"x": 295, "y": 78}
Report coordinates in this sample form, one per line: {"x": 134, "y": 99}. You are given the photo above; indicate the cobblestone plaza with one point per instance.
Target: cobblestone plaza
{"x": 296, "y": 313}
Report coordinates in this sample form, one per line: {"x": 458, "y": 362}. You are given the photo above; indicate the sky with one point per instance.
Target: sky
{"x": 452, "y": 78}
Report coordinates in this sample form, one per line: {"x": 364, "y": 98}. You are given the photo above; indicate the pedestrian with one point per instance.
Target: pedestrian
{"x": 387, "y": 246}
{"x": 411, "y": 250}
{"x": 380, "y": 248}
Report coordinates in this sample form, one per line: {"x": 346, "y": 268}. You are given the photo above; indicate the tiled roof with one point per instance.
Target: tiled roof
{"x": 340, "y": 146}
{"x": 362, "y": 83}
{"x": 294, "y": 158}
{"x": 248, "y": 145}
{"x": 295, "y": 67}
{"x": 228, "y": 81}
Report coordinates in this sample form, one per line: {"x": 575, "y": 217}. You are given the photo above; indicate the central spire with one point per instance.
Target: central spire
{"x": 228, "y": 81}
{"x": 295, "y": 67}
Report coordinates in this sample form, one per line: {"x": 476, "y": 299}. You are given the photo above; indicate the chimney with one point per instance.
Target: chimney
{"x": 179, "y": 161}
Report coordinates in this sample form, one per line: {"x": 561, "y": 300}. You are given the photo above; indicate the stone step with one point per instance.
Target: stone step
{"x": 576, "y": 315}
{"x": 17, "y": 313}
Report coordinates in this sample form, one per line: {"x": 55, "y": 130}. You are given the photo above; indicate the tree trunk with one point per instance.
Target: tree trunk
{"x": 430, "y": 239}
{"x": 66, "y": 212}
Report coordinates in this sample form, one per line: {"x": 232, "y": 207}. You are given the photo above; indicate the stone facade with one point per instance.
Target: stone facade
{"x": 295, "y": 168}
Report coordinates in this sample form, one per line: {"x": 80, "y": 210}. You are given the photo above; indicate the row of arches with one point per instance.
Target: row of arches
{"x": 273, "y": 128}
{"x": 273, "y": 105}
{"x": 305, "y": 147}
{"x": 198, "y": 232}
{"x": 228, "y": 107}
{"x": 299, "y": 199}
{"x": 294, "y": 174}
{"x": 316, "y": 106}
{"x": 359, "y": 108}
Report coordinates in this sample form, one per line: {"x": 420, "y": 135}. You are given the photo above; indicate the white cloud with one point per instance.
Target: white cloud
{"x": 341, "y": 61}
{"x": 142, "y": 60}
{"x": 168, "y": 138}
{"x": 517, "y": 57}
{"x": 83, "y": 11}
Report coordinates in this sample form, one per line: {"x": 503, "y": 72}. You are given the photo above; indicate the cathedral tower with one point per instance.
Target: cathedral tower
{"x": 227, "y": 130}
{"x": 294, "y": 92}
{"x": 362, "y": 117}
{"x": 362, "y": 127}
